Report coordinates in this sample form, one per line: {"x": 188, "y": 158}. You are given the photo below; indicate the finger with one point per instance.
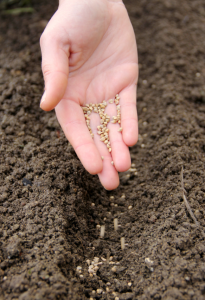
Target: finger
{"x": 108, "y": 176}
{"x": 55, "y": 67}
{"x": 120, "y": 151}
{"x": 72, "y": 121}
{"x": 129, "y": 121}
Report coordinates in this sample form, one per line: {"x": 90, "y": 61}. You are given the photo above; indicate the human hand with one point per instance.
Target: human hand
{"x": 89, "y": 55}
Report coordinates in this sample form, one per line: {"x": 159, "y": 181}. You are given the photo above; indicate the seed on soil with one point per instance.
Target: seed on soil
{"x": 122, "y": 240}
{"x": 129, "y": 284}
{"x": 130, "y": 207}
{"x": 98, "y": 226}
{"x": 102, "y": 231}
{"x": 92, "y": 204}
{"x": 116, "y": 223}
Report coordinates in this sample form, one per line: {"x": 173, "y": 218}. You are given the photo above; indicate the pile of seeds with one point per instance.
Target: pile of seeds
{"x": 102, "y": 129}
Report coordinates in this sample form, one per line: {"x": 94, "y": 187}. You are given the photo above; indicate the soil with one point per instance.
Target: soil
{"x": 51, "y": 209}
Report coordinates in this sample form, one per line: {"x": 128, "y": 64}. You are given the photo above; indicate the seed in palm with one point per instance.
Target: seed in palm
{"x": 102, "y": 129}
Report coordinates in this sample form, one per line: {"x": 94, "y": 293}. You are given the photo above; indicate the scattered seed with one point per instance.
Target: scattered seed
{"x": 98, "y": 226}
{"x": 122, "y": 240}
{"x": 102, "y": 231}
{"x": 116, "y": 223}
{"x": 130, "y": 207}
{"x": 129, "y": 284}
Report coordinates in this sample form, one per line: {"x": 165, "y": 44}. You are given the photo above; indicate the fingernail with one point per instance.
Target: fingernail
{"x": 43, "y": 98}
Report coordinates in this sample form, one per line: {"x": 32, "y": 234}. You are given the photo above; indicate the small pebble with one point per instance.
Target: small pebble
{"x": 26, "y": 182}
{"x": 114, "y": 269}
{"x": 99, "y": 291}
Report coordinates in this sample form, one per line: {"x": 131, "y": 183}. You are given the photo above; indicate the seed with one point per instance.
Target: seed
{"x": 102, "y": 157}
{"x": 119, "y": 122}
{"x": 106, "y": 141}
{"x": 92, "y": 135}
{"x": 111, "y": 101}
{"x": 120, "y": 129}
{"x": 99, "y": 132}
{"x": 102, "y": 231}
{"x": 110, "y": 149}
{"x": 116, "y": 223}
{"x": 122, "y": 240}
{"x": 108, "y": 145}
{"x": 102, "y": 139}
{"x": 112, "y": 162}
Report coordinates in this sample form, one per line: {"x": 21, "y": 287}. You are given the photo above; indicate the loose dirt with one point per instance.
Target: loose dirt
{"x": 51, "y": 209}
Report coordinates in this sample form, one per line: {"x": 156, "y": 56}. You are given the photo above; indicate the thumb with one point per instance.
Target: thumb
{"x": 55, "y": 67}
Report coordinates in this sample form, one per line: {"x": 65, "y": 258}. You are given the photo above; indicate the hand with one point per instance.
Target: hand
{"x": 89, "y": 55}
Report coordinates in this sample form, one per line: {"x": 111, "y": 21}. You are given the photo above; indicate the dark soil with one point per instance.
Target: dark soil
{"x": 51, "y": 208}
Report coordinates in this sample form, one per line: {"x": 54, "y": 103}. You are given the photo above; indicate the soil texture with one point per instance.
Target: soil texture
{"x": 52, "y": 210}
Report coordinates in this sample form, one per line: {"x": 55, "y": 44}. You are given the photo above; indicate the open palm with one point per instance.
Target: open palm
{"x": 89, "y": 55}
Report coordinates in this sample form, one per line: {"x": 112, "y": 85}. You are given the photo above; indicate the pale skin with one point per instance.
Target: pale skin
{"x": 89, "y": 55}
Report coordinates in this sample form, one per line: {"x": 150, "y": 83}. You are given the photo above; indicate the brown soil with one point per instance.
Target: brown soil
{"x": 50, "y": 206}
